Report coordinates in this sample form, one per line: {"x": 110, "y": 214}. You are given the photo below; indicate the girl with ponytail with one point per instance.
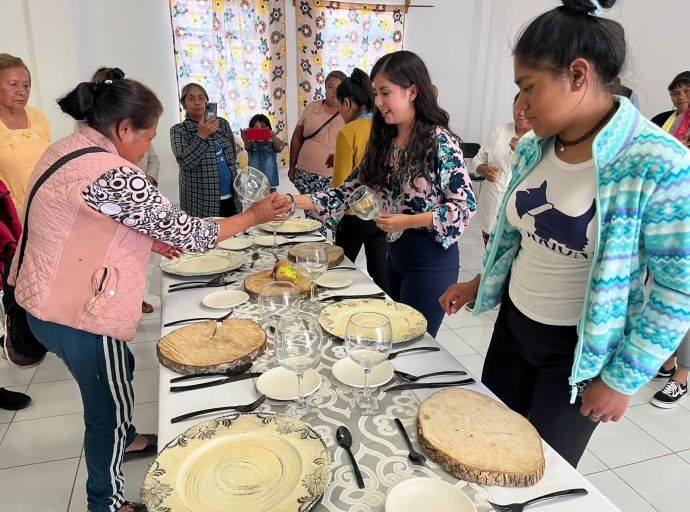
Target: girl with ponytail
{"x": 598, "y": 197}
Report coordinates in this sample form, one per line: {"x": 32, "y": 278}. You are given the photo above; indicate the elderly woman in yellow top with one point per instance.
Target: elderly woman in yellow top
{"x": 24, "y": 131}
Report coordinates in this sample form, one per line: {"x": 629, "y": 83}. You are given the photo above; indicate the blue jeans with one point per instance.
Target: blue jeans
{"x": 103, "y": 368}
{"x": 419, "y": 271}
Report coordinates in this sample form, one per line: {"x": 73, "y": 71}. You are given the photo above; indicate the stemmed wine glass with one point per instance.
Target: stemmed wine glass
{"x": 366, "y": 205}
{"x": 277, "y": 299}
{"x": 298, "y": 348}
{"x": 276, "y": 224}
{"x": 368, "y": 341}
{"x": 312, "y": 261}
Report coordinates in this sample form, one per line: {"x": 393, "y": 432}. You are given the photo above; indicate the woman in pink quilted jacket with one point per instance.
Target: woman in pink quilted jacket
{"x": 89, "y": 233}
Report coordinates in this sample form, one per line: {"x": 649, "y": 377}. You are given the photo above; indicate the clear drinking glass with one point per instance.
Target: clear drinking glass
{"x": 298, "y": 349}
{"x": 368, "y": 341}
{"x": 251, "y": 185}
{"x": 365, "y": 203}
{"x": 312, "y": 261}
{"x": 277, "y": 300}
{"x": 275, "y": 225}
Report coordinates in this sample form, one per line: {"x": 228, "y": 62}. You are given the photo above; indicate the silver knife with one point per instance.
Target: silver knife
{"x": 236, "y": 378}
{"x": 430, "y": 385}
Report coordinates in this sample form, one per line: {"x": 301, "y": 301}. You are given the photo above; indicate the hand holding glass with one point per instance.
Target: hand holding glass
{"x": 366, "y": 205}
{"x": 368, "y": 341}
{"x": 251, "y": 185}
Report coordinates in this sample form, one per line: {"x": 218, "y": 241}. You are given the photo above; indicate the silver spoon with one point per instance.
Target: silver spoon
{"x": 255, "y": 257}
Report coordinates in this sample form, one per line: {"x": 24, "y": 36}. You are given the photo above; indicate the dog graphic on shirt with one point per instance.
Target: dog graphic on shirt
{"x": 552, "y": 224}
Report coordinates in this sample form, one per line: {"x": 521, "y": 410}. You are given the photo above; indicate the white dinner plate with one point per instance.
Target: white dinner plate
{"x": 267, "y": 241}
{"x": 235, "y": 244}
{"x": 225, "y": 299}
{"x": 216, "y": 261}
{"x": 415, "y": 494}
{"x": 351, "y": 374}
{"x": 334, "y": 280}
{"x": 281, "y": 384}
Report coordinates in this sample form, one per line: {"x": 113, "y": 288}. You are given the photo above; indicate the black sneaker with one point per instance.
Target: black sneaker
{"x": 672, "y": 394}
{"x": 664, "y": 374}
{"x": 13, "y": 401}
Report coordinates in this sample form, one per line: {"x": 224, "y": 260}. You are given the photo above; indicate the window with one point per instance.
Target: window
{"x": 236, "y": 50}
{"x": 342, "y": 36}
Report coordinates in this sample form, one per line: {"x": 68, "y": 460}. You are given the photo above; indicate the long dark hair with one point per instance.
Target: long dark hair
{"x": 404, "y": 69}
{"x": 556, "y": 38}
{"x": 358, "y": 89}
{"x": 104, "y": 103}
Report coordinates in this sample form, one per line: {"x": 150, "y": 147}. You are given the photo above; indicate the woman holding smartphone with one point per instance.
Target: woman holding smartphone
{"x": 204, "y": 147}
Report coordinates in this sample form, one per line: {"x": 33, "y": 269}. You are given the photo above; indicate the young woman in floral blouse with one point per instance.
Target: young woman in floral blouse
{"x": 414, "y": 162}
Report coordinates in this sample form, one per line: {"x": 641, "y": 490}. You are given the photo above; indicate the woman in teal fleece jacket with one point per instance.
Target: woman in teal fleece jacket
{"x": 598, "y": 196}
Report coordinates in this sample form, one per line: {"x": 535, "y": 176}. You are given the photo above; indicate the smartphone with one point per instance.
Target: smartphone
{"x": 258, "y": 134}
{"x": 211, "y": 111}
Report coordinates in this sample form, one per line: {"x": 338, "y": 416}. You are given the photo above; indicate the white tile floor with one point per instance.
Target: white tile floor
{"x": 641, "y": 463}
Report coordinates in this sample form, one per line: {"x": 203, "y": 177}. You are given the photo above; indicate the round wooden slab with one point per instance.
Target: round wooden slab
{"x": 253, "y": 283}
{"x": 198, "y": 348}
{"x": 335, "y": 254}
{"x": 478, "y": 439}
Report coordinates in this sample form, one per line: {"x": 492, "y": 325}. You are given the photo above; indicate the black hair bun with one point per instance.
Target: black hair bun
{"x": 586, "y": 6}
{"x": 115, "y": 74}
{"x": 358, "y": 76}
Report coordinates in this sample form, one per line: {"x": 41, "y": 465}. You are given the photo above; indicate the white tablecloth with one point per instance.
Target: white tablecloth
{"x": 558, "y": 475}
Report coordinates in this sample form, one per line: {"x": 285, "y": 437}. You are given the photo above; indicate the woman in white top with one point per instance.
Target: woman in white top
{"x": 494, "y": 163}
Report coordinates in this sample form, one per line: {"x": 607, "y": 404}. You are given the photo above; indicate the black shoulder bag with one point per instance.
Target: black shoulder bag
{"x": 322, "y": 126}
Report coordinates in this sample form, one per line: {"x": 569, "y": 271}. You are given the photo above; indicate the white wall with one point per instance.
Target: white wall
{"x": 136, "y": 36}
{"x": 465, "y": 43}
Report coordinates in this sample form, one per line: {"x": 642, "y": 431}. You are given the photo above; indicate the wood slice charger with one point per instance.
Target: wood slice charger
{"x": 199, "y": 348}
{"x": 253, "y": 284}
{"x": 335, "y": 254}
{"x": 478, "y": 439}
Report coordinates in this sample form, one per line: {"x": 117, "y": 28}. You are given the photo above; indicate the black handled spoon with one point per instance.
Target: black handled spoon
{"x": 415, "y": 456}
{"x": 345, "y": 440}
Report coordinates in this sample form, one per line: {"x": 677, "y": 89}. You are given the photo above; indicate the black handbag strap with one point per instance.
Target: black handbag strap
{"x": 322, "y": 126}
{"x": 44, "y": 177}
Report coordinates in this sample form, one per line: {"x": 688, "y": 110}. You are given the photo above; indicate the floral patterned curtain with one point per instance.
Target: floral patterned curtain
{"x": 236, "y": 50}
{"x": 343, "y": 36}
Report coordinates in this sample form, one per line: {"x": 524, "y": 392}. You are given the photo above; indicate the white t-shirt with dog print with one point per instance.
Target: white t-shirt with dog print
{"x": 554, "y": 209}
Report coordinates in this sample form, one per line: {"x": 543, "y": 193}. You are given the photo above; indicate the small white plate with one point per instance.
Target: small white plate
{"x": 351, "y": 374}
{"x": 235, "y": 244}
{"x": 415, "y": 494}
{"x": 267, "y": 241}
{"x": 334, "y": 280}
{"x": 281, "y": 384}
{"x": 225, "y": 299}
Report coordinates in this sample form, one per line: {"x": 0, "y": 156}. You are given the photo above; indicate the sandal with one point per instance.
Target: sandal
{"x": 146, "y": 307}
{"x": 151, "y": 448}
{"x": 135, "y": 507}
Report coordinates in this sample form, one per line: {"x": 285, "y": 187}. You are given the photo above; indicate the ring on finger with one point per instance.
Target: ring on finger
{"x": 594, "y": 416}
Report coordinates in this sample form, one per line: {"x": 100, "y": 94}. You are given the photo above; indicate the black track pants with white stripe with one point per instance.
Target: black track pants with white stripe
{"x": 103, "y": 368}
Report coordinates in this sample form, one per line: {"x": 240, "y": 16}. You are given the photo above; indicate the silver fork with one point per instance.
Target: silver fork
{"x": 519, "y": 507}
{"x": 239, "y": 408}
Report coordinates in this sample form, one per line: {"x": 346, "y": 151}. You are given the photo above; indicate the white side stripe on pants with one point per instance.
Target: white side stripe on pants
{"x": 119, "y": 390}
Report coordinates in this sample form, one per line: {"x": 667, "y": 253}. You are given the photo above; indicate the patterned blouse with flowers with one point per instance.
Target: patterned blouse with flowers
{"x": 20, "y": 150}
{"x": 449, "y": 196}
